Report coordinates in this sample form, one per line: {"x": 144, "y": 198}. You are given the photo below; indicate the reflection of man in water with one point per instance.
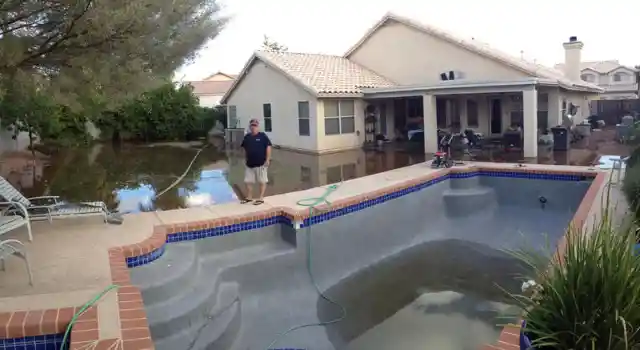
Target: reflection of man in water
{"x": 257, "y": 150}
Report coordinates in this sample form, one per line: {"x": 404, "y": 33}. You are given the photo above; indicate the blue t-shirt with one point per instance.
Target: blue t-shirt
{"x": 255, "y": 147}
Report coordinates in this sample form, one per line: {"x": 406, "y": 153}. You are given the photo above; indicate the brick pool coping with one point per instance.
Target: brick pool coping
{"x": 135, "y": 334}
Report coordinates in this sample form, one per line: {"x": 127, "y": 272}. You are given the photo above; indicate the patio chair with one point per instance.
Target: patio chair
{"x": 13, "y": 247}
{"x": 49, "y": 207}
{"x": 14, "y": 215}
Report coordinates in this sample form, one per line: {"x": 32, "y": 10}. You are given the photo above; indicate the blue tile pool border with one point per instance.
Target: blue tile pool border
{"x": 284, "y": 219}
{"x": 39, "y": 342}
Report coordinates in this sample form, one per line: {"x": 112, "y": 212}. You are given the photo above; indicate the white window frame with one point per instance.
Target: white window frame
{"x": 622, "y": 77}
{"x": 340, "y": 117}
{"x": 306, "y": 118}
{"x": 267, "y": 118}
{"x": 588, "y": 77}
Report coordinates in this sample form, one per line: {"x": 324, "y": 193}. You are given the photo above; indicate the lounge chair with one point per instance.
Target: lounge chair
{"x": 13, "y": 247}
{"x": 49, "y": 207}
{"x": 14, "y": 215}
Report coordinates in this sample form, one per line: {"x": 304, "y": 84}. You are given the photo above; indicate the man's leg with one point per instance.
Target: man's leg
{"x": 261, "y": 177}
{"x": 249, "y": 180}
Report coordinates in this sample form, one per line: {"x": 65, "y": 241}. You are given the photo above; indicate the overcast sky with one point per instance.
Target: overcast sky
{"x": 538, "y": 28}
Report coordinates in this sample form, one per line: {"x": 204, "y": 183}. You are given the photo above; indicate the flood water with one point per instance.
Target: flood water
{"x": 129, "y": 178}
{"x": 445, "y": 295}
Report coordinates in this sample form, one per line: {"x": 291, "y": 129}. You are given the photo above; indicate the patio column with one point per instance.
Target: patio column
{"x": 530, "y": 121}
{"x": 554, "y": 116}
{"x": 430, "y": 121}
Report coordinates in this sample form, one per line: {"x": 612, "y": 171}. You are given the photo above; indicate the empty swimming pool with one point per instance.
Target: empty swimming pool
{"x": 414, "y": 269}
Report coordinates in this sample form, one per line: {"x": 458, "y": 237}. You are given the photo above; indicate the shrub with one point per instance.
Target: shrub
{"x": 590, "y": 297}
{"x": 631, "y": 188}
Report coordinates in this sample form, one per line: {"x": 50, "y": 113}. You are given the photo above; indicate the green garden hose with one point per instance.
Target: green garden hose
{"x": 312, "y": 203}
{"x": 84, "y": 308}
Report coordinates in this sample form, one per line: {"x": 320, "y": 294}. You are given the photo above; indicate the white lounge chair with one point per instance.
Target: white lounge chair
{"x": 13, "y": 247}
{"x": 12, "y": 216}
{"x": 50, "y": 207}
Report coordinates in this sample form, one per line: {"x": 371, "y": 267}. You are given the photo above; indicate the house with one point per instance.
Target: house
{"x": 619, "y": 81}
{"x": 211, "y": 89}
{"x": 399, "y": 72}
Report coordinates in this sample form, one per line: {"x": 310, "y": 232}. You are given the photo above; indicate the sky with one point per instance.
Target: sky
{"x": 531, "y": 29}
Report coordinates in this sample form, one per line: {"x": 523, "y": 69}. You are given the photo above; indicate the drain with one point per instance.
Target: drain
{"x": 542, "y": 200}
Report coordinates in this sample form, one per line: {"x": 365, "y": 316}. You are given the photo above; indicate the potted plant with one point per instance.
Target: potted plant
{"x": 588, "y": 297}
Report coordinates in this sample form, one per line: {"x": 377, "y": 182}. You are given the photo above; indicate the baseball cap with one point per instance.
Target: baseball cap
{"x": 253, "y": 122}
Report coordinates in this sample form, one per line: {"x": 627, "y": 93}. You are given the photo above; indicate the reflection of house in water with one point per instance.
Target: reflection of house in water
{"x": 294, "y": 171}
{"x": 21, "y": 169}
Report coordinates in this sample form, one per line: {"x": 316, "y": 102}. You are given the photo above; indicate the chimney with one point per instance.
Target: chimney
{"x": 572, "y": 58}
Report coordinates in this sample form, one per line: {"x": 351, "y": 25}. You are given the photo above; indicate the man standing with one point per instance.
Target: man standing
{"x": 257, "y": 150}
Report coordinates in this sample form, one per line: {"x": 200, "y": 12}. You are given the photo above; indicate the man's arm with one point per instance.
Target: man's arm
{"x": 268, "y": 143}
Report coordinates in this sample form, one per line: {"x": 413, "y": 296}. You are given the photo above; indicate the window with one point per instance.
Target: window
{"x": 543, "y": 121}
{"x": 516, "y": 118}
{"x": 304, "y": 124}
{"x": 341, "y": 173}
{"x": 305, "y": 175}
{"x": 455, "y": 113}
{"x": 233, "y": 117}
{"x": 588, "y": 77}
{"x": 472, "y": 114}
{"x": 266, "y": 114}
{"x": 441, "y": 113}
{"x": 339, "y": 117}
{"x": 618, "y": 77}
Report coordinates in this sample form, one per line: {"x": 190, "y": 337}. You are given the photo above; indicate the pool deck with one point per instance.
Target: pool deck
{"x": 75, "y": 259}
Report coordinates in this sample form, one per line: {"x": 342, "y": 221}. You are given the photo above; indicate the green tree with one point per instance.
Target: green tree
{"x": 81, "y": 50}
{"x": 169, "y": 112}
{"x": 272, "y": 45}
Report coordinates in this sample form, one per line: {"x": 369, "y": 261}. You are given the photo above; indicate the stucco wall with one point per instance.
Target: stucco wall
{"x": 209, "y": 100}
{"x": 262, "y": 85}
{"x": 408, "y": 56}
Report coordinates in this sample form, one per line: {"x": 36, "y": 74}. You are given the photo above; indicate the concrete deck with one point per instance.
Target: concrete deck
{"x": 70, "y": 258}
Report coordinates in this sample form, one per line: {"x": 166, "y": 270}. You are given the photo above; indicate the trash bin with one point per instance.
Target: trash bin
{"x": 561, "y": 138}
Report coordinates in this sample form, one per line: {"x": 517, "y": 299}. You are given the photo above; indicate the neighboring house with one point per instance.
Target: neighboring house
{"x": 403, "y": 70}
{"x": 211, "y": 89}
{"x": 618, "y": 81}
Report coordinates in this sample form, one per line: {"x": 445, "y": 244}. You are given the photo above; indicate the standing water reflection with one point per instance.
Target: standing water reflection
{"x": 128, "y": 178}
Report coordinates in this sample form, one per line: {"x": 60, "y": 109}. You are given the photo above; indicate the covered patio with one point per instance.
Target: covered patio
{"x": 488, "y": 108}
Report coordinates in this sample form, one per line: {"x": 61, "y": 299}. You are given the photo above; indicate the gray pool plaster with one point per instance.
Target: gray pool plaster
{"x": 242, "y": 291}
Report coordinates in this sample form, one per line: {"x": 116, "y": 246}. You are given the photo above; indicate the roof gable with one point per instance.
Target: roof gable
{"x": 221, "y": 74}
{"x": 624, "y": 69}
{"x": 320, "y": 75}
{"x": 600, "y": 67}
{"x": 477, "y": 47}
{"x": 205, "y": 87}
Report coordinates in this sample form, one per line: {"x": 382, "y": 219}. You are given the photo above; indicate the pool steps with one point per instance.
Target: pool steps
{"x": 218, "y": 332}
{"x": 168, "y": 276}
{"x": 468, "y": 196}
{"x": 183, "y": 288}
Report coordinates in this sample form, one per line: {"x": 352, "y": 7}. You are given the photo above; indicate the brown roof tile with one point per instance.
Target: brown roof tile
{"x": 210, "y": 87}
{"x": 325, "y": 74}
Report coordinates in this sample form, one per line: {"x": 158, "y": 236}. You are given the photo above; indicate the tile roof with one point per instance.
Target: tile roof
{"x": 480, "y": 48}
{"x": 324, "y": 74}
{"x": 211, "y": 87}
{"x": 230, "y": 76}
{"x": 603, "y": 67}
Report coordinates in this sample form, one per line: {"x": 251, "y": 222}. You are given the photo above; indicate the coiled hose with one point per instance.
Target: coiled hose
{"x": 312, "y": 203}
